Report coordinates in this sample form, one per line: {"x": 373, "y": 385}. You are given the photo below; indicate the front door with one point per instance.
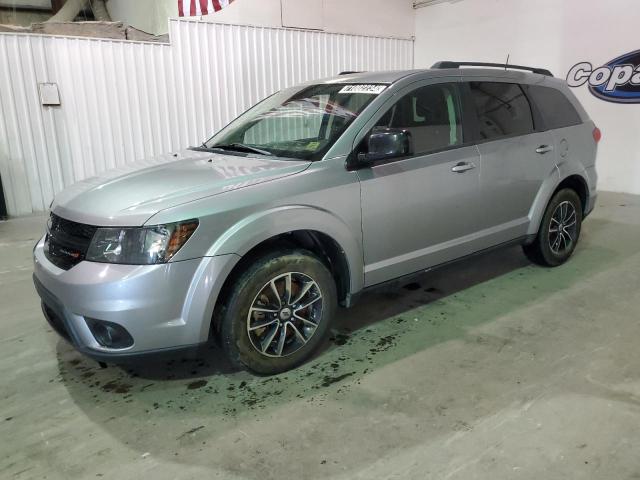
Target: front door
{"x": 424, "y": 209}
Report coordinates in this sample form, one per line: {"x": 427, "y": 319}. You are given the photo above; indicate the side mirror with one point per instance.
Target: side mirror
{"x": 387, "y": 143}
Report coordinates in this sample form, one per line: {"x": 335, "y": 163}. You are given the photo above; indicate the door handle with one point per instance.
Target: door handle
{"x": 462, "y": 167}
{"x": 542, "y": 149}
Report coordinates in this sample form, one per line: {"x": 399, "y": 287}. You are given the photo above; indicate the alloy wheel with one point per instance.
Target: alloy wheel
{"x": 563, "y": 228}
{"x": 284, "y": 315}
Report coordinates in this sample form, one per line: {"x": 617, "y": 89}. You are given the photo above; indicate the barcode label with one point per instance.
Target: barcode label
{"x": 370, "y": 89}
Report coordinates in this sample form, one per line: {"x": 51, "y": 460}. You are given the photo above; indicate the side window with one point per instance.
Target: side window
{"x": 431, "y": 114}
{"x": 555, "y": 108}
{"x": 502, "y": 109}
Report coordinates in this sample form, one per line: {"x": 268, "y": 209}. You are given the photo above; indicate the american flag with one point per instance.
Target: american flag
{"x": 194, "y": 8}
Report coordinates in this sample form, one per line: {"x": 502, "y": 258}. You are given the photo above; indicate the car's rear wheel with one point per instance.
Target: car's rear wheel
{"x": 278, "y": 313}
{"x": 559, "y": 231}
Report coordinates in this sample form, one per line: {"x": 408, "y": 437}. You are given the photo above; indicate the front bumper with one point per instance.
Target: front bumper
{"x": 163, "y": 307}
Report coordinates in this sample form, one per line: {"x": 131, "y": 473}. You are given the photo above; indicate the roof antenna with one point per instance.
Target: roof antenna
{"x": 507, "y": 64}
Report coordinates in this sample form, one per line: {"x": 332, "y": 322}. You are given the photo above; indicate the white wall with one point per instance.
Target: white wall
{"x": 125, "y": 101}
{"x": 547, "y": 33}
{"x": 150, "y": 16}
{"x": 387, "y": 18}
{"x": 10, "y": 15}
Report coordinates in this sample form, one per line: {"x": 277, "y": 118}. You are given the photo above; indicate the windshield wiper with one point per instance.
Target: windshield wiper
{"x": 241, "y": 147}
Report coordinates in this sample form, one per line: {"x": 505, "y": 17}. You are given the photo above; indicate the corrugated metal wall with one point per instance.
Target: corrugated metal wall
{"x": 124, "y": 101}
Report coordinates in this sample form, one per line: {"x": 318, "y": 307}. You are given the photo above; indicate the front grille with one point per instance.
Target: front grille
{"x": 67, "y": 242}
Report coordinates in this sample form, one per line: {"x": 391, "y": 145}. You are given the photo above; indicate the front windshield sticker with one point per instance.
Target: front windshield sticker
{"x": 370, "y": 89}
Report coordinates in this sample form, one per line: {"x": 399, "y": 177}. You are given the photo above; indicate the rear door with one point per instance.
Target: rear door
{"x": 515, "y": 157}
{"x": 557, "y": 114}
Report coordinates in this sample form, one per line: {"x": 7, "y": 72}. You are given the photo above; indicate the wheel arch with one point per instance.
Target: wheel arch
{"x": 550, "y": 187}
{"x": 315, "y": 230}
{"x": 579, "y": 185}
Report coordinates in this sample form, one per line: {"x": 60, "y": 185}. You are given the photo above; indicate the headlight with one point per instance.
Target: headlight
{"x": 140, "y": 245}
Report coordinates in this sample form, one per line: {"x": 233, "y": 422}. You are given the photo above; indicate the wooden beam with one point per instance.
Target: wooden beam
{"x": 114, "y": 30}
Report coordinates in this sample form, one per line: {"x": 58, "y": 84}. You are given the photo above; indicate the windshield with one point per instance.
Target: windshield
{"x": 301, "y": 124}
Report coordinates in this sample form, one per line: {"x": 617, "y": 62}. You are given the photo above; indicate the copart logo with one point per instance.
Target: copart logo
{"x": 618, "y": 81}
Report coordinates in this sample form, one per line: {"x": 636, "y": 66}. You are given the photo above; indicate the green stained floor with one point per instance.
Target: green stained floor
{"x": 487, "y": 369}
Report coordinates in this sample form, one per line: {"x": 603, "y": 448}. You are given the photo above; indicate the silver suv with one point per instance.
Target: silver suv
{"x": 310, "y": 197}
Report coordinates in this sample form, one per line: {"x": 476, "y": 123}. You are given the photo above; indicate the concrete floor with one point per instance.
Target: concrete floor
{"x": 488, "y": 369}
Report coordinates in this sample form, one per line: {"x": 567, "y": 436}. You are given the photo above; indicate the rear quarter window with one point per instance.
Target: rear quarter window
{"x": 556, "y": 109}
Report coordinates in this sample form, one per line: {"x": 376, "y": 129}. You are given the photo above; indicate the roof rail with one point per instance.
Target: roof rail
{"x": 348, "y": 72}
{"x": 448, "y": 64}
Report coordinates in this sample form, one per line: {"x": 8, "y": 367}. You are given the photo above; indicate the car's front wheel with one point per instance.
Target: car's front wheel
{"x": 559, "y": 231}
{"x": 278, "y": 312}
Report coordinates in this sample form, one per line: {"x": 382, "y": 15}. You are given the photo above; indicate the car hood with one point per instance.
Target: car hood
{"x": 129, "y": 196}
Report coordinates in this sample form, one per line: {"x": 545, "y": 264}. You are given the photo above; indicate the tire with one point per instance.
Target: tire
{"x": 253, "y": 318}
{"x": 550, "y": 248}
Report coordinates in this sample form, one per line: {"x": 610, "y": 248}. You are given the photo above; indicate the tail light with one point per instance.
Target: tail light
{"x": 597, "y": 134}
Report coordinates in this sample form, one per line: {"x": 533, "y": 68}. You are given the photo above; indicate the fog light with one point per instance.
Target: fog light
{"x": 109, "y": 334}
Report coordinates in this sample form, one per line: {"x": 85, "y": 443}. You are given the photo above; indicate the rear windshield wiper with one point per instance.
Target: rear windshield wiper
{"x": 241, "y": 147}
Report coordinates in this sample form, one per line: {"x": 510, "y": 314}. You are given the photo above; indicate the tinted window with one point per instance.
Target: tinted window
{"x": 556, "y": 109}
{"x": 431, "y": 114}
{"x": 502, "y": 108}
